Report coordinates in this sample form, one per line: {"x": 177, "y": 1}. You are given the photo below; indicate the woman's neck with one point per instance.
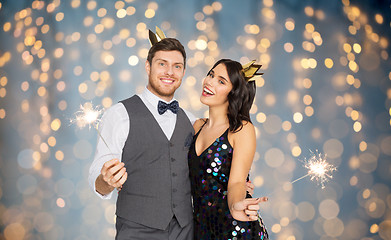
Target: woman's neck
{"x": 218, "y": 116}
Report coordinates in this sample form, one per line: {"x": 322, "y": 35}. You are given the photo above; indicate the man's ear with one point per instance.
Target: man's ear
{"x": 147, "y": 67}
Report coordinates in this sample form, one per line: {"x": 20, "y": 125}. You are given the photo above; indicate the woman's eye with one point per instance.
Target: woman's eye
{"x": 221, "y": 82}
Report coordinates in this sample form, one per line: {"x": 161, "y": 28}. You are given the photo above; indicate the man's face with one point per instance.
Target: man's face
{"x": 165, "y": 73}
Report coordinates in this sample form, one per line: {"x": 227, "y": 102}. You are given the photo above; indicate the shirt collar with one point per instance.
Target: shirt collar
{"x": 152, "y": 98}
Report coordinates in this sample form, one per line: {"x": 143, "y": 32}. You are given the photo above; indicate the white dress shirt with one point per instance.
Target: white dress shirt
{"x": 114, "y": 129}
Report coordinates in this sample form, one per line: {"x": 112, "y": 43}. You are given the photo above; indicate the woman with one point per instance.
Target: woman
{"x": 221, "y": 155}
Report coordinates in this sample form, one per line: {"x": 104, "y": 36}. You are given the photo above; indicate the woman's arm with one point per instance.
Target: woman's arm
{"x": 244, "y": 145}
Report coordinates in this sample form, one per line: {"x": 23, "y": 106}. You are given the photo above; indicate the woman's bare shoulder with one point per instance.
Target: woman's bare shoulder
{"x": 199, "y": 123}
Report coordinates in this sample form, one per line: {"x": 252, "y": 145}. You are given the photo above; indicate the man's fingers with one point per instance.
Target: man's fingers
{"x": 250, "y": 185}
{"x": 123, "y": 179}
{"x": 114, "y": 169}
{"x": 117, "y": 176}
{"x": 107, "y": 165}
{"x": 251, "y": 213}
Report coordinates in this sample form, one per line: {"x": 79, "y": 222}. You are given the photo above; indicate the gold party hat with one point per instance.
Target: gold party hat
{"x": 153, "y": 38}
{"x": 250, "y": 71}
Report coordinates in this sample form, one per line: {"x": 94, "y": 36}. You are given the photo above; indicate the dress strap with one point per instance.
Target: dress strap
{"x": 202, "y": 126}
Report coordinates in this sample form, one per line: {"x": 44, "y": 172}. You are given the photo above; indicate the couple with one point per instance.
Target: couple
{"x": 160, "y": 166}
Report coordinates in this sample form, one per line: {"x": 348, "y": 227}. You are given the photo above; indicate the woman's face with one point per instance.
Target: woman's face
{"x": 216, "y": 87}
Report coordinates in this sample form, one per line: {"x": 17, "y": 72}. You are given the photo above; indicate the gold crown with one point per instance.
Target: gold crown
{"x": 153, "y": 38}
{"x": 250, "y": 71}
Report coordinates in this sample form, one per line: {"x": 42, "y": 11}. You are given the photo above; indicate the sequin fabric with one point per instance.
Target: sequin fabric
{"x": 209, "y": 174}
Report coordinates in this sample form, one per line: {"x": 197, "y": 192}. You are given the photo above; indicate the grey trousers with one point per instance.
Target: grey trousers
{"x": 133, "y": 231}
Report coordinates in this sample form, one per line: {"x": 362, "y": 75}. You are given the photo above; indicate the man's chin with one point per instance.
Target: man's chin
{"x": 168, "y": 93}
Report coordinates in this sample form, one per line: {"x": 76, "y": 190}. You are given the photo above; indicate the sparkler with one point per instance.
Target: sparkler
{"x": 318, "y": 169}
{"x": 89, "y": 115}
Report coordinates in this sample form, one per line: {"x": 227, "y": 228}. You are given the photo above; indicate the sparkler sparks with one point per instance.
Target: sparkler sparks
{"x": 318, "y": 169}
{"x": 87, "y": 115}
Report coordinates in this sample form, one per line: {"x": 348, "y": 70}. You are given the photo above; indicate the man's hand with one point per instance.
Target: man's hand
{"x": 250, "y": 187}
{"x": 247, "y": 210}
{"x": 112, "y": 175}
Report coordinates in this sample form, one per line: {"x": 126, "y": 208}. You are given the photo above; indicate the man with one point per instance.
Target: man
{"x": 149, "y": 136}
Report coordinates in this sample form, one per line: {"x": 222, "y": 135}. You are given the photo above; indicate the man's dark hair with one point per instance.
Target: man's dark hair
{"x": 167, "y": 44}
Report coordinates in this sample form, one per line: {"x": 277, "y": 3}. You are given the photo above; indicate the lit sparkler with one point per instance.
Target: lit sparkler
{"x": 89, "y": 115}
{"x": 318, "y": 169}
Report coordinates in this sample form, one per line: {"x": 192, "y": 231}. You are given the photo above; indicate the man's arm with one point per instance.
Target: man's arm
{"x": 107, "y": 171}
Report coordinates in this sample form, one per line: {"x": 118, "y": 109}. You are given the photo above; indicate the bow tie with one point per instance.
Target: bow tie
{"x": 162, "y": 107}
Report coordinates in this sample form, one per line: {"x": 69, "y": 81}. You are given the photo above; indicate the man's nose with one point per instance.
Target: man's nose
{"x": 169, "y": 70}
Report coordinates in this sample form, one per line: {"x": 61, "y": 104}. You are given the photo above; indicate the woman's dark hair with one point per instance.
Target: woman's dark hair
{"x": 241, "y": 97}
{"x": 167, "y": 44}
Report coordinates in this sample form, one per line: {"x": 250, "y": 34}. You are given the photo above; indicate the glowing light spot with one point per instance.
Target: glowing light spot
{"x": 59, "y": 16}
{"x": 354, "y": 115}
{"x": 296, "y": 151}
{"x": 59, "y": 155}
{"x": 309, "y": 11}
{"x": 374, "y": 228}
{"x": 258, "y": 181}
{"x": 56, "y": 124}
{"x": 2, "y": 113}
{"x": 83, "y": 88}
{"x": 357, "y": 48}
{"x": 52, "y": 141}
{"x": 379, "y": 18}
{"x": 286, "y": 126}
{"x": 328, "y": 62}
{"x": 357, "y": 126}
{"x": 41, "y": 91}
{"x": 217, "y": 6}
{"x": 201, "y": 44}
{"x": 7, "y": 26}
{"x": 60, "y": 202}
{"x": 261, "y": 117}
{"x": 297, "y": 117}
{"x": 133, "y": 60}
{"x": 290, "y": 24}
{"x": 102, "y": 12}
{"x": 288, "y": 47}
{"x": 276, "y": 228}
{"x": 347, "y": 48}
{"x": 149, "y": 13}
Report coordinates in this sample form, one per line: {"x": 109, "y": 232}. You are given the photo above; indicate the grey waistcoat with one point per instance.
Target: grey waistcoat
{"x": 158, "y": 184}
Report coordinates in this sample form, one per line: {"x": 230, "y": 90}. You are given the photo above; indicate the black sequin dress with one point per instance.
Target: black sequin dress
{"x": 209, "y": 174}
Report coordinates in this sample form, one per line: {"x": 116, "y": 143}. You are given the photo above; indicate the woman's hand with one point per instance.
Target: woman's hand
{"x": 247, "y": 209}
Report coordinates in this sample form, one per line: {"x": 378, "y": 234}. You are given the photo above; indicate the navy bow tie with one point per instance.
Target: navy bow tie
{"x": 162, "y": 107}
